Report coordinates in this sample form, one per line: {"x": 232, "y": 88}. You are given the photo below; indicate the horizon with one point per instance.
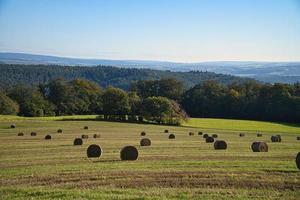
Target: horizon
{"x": 168, "y": 61}
{"x": 165, "y": 31}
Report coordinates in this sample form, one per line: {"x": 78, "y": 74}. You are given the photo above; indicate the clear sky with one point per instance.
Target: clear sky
{"x": 172, "y": 30}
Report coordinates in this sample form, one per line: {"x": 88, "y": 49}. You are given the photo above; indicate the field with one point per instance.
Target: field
{"x": 184, "y": 168}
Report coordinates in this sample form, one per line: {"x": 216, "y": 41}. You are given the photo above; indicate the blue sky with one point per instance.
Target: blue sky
{"x": 173, "y": 30}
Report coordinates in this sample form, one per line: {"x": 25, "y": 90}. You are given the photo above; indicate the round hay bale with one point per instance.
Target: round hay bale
{"x": 209, "y": 139}
{"x": 129, "y": 153}
{"x": 298, "y": 137}
{"x": 214, "y": 135}
{"x": 298, "y": 160}
{"x": 171, "y": 136}
{"x": 200, "y": 133}
{"x": 259, "y": 135}
{"x": 48, "y": 137}
{"x": 33, "y": 134}
{"x": 145, "y": 142}
{"x": 96, "y": 135}
{"x": 205, "y": 135}
{"x": 276, "y": 138}
{"x": 259, "y": 147}
{"x": 166, "y": 131}
{"x": 20, "y": 134}
{"x": 191, "y": 133}
{"x": 84, "y": 136}
{"x": 143, "y": 133}
{"x": 77, "y": 141}
{"x": 242, "y": 134}
{"x": 220, "y": 144}
{"x": 94, "y": 151}
{"x": 13, "y": 126}
{"x": 86, "y": 127}
{"x": 59, "y": 131}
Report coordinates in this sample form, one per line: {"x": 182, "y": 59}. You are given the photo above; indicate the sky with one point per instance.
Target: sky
{"x": 165, "y": 30}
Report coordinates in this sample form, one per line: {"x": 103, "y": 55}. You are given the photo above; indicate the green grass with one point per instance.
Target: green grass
{"x": 243, "y": 125}
{"x": 184, "y": 168}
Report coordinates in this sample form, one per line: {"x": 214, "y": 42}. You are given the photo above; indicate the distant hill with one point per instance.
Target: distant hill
{"x": 287, "y": 72}
{"x": 12, "y": 74}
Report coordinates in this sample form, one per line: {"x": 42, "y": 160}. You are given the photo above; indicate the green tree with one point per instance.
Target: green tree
{"x": 7, "y": 106}
{"x": 31, "y": 102}
{"x": 115, "y": 104}
{"x": 156, "y": 109}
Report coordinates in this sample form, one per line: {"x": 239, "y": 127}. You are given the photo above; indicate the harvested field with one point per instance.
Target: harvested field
{"x": 185, "y": 168}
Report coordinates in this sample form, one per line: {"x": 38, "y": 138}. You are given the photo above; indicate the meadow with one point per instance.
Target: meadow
{"x": 184, "y": 168}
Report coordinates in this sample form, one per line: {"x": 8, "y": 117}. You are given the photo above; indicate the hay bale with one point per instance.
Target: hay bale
{"x": 209, "y": 139}
{"x": 200, "y": 133}
{"x": 191, "y": 133}
{"x": 171, "y": 136}
{"x": 77, "y": 141}
{"x": 96, "y": 135}
{"x": 220, "y": 144}
{"x": 205, "y": 135}
{"x": 259, "y": 135}
{"x": 298, "y": 137}
{"x": 276, "y": 138}
{"x": 48, "y": 137}
{"x": 13, "y": 126}
{"x": 33, "y": 134}
{"x": 259, "y": 147}
{"x": 129, "y": 153}
{"x": 298, "y": 160}
{"x": 145, "y": 142}
{"x": 242, "y": 134}
{"x": 214, "y": 135}
{"x": 84, "y": 136}
{"x": 59, "y": 131}
{"x": 94, "y": 151}
{"x": 143, "y": 133}
{"x": 86, "y": 127}
{"x": 20, "y": 134}
{"x": 166, "y": 131}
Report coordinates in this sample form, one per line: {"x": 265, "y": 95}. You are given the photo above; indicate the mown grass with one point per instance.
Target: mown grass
{"x": 184, "y": 168}
{"x": 243, "y": 125}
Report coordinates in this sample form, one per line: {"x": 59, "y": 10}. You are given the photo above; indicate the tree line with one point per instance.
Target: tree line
{"x": 104, "y": 76}
{"x": 60, "y": 97}
{"x": 164, "y": 101}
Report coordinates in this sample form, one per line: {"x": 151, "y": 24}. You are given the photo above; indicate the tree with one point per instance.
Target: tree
{"x": 162, "y": 110}
{"x": 169, "y": 87}
{"x": 135, "y": 105}
{"x": 7, "y": 106}
{"x": 115, "y": 104}
{"x": 31, "y": 102}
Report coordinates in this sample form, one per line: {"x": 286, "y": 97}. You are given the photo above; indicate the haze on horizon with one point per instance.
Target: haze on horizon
{"x": 168, "y": 30}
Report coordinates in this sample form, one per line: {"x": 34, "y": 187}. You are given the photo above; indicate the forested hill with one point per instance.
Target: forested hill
{"x": 12, "y": 74}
